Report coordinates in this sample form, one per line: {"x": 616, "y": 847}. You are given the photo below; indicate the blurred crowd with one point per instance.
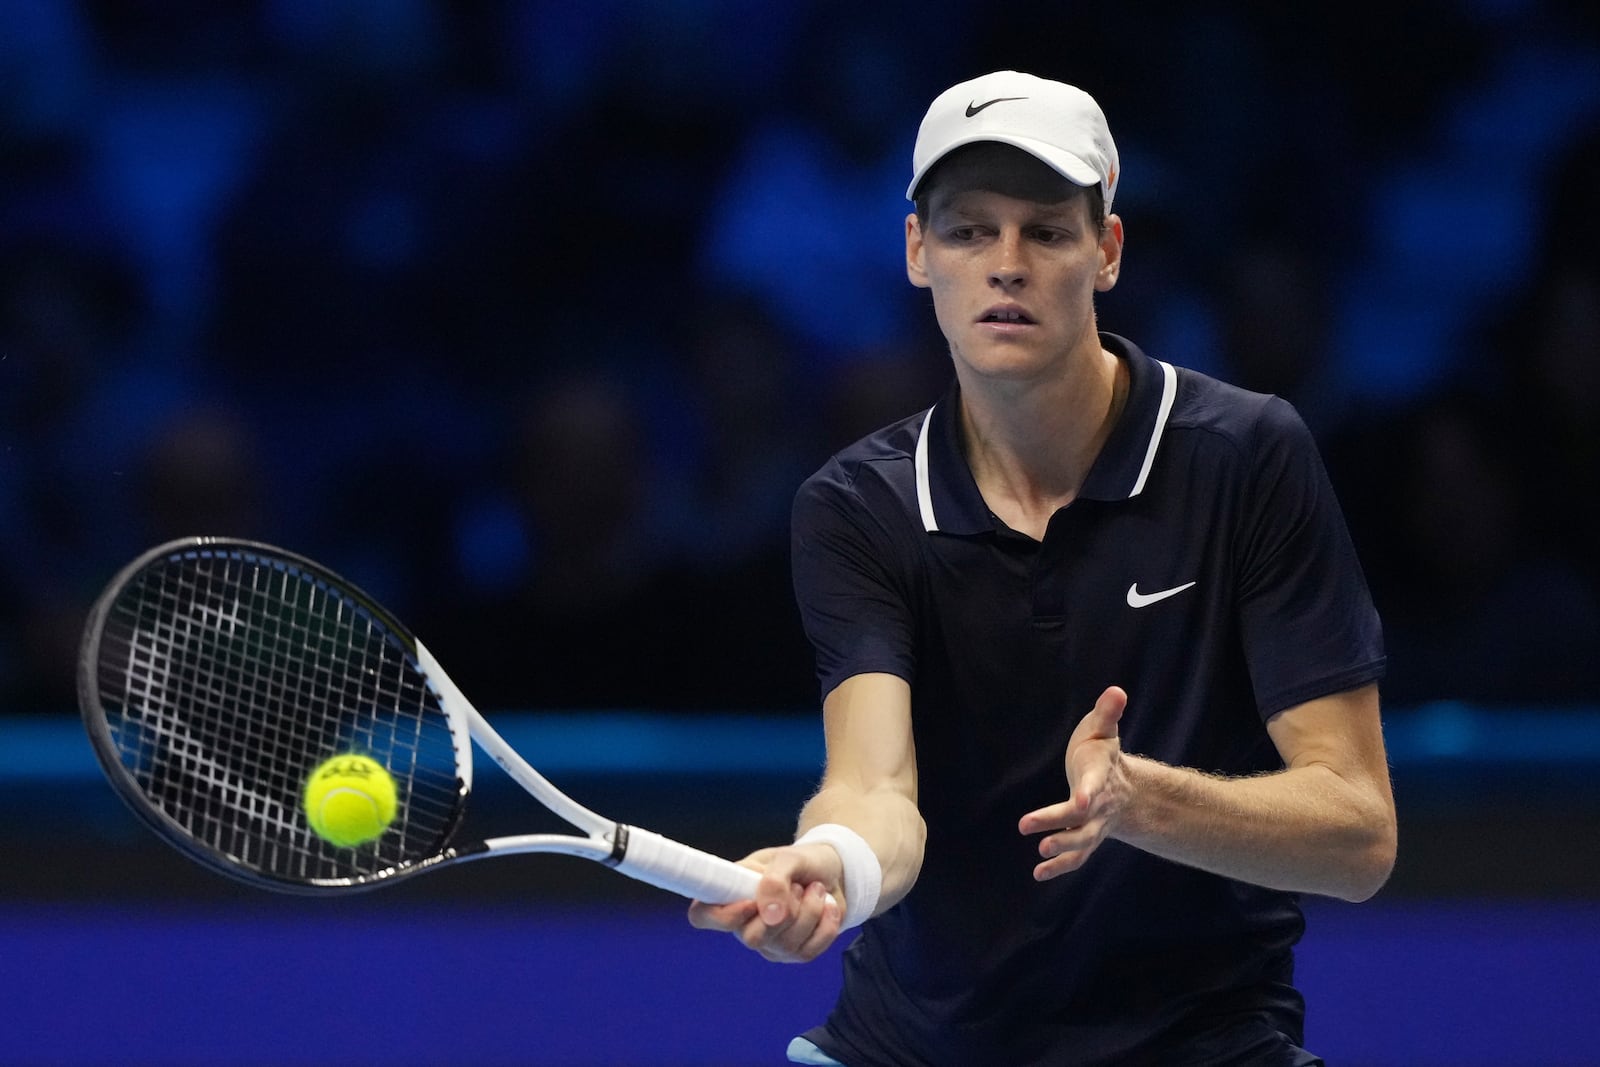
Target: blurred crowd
{"x": 531, "y": 317}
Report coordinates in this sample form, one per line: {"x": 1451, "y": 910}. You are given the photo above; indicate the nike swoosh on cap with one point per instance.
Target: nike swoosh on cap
{"x": 1137, "y": 599}
{"x": 973, "y": 109}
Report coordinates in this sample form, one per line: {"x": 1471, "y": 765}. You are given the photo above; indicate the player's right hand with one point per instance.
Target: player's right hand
{"x": 794, "y": 916}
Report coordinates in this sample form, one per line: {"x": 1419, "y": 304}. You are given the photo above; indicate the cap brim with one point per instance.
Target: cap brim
{"x": 1066, "y": 164}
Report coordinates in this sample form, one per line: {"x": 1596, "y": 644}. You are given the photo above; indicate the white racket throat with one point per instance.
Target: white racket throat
{"x": 641, "y": 854}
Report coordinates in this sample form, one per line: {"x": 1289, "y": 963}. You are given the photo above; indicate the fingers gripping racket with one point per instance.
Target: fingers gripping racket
{"x": 214, "y": 676}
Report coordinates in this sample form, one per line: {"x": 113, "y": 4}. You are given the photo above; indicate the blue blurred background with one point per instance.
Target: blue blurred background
{"x": 530, "y": 318}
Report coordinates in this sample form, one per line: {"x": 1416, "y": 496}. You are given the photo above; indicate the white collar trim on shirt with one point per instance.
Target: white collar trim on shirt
{"x": 1169, "y": 392}
{"x": 924, "y": 494}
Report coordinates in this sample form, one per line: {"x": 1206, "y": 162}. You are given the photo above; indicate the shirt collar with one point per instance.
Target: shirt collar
{"x": 948, "y": 497}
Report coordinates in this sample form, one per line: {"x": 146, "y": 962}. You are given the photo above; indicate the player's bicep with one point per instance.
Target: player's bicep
{"x": 1341, "y": 731}
{"x": 853, "y": 604}
{"x": 1306, "y": 617}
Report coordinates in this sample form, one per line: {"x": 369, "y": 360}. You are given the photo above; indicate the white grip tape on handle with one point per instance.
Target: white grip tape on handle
{"x": 863, "y": 874}
{"x": 678, "y": 868}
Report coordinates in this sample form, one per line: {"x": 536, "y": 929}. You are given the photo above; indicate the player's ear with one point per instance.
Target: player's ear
{"x": 916, "y": 271}
{"x": 1110, "y": 254}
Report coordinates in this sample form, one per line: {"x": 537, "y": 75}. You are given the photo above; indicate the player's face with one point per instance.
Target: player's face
{"x": 1013, "y": 278}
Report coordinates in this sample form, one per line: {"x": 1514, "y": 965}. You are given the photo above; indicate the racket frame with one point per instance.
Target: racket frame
{"x": 638, "y": 853}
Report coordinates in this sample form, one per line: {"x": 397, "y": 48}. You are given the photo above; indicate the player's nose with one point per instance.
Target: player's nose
{"x": 1008, "y": 270}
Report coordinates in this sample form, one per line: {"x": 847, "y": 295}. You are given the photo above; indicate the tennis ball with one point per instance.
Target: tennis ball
{"x": 349, "y": 800}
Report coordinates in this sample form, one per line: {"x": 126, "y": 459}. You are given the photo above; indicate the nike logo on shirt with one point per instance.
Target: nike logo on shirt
{"x": 1137, "y": 599}
{"x": 973, "y": 109}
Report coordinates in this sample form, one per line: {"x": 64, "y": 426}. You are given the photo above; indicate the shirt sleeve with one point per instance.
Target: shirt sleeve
{"x": 855, "y": 609}
{"x": 1306, "y": 614}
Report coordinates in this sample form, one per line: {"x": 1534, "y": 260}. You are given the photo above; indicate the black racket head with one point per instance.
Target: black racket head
{"x": 215, "y": 674}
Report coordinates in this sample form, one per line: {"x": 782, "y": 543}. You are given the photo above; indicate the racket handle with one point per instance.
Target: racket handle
{"x": 672, "y": 865}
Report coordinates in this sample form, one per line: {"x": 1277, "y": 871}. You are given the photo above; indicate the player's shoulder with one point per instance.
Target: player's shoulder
{"x": 1230, "y": 413}
{"x": 875, "y": 475}
{"x": 887, "y": 454}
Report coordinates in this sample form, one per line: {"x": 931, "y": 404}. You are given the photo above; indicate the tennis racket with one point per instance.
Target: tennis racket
{"x": 215, "y": 674}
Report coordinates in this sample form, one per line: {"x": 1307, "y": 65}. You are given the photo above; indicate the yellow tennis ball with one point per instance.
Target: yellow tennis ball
{"x": 349, "y": 800}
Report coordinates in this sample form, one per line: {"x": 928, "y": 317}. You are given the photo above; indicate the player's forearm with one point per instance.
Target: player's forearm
{"x": 887, "y": 820}
{"x": 1304, "y": 829}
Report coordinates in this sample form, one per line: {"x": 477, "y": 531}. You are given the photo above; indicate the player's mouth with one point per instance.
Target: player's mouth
{"x": 1006, "y": 315}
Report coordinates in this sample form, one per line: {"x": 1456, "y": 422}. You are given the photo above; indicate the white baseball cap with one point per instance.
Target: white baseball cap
{"x": 1058, "y": 123}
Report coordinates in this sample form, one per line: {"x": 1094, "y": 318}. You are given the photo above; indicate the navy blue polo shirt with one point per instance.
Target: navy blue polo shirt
{"x": 1206, "y": 568}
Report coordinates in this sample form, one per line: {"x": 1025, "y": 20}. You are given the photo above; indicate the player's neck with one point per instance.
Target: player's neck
{"x": 1030, "y": 446}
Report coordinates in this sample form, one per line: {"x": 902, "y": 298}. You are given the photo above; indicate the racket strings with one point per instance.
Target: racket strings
{"x": 227, "y": 677}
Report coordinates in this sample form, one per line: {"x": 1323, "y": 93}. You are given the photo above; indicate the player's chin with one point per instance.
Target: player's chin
{"x": 1006, "y": 361}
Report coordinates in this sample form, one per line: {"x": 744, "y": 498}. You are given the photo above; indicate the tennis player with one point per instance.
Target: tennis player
{"x": 1098, "y": 659}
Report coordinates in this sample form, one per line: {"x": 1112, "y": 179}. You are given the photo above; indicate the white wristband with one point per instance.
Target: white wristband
{"x": 863, "y": 874}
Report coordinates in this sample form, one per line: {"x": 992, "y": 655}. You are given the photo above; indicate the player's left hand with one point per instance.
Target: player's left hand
{"x": 1099, "y": 789}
